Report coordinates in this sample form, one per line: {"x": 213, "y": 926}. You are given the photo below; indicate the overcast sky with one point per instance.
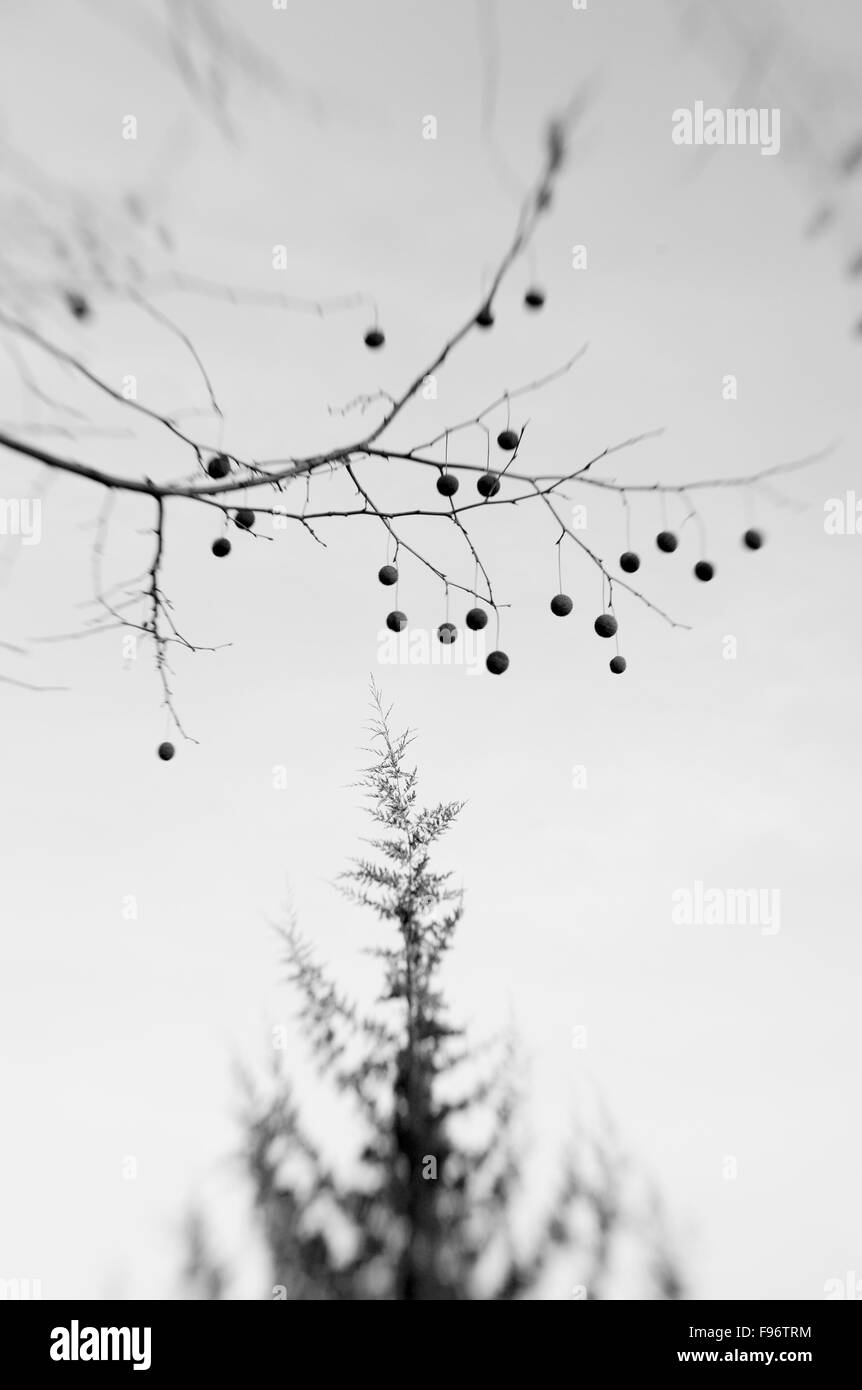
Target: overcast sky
{"x": 704, "y": 1041}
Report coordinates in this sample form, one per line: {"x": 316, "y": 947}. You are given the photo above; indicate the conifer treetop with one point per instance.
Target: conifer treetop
{"x": 426, "y": 1205}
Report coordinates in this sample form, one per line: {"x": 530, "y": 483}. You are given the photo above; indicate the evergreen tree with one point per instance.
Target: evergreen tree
{"x": 429, "y": 1211}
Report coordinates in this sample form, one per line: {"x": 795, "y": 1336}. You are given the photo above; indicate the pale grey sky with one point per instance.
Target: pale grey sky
{"x": 705, "y": 1042}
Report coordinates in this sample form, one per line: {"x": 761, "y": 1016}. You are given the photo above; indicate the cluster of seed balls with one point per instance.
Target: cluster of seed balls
{"x": 606, "y": 624}
{"x": 561, "y": 604}
{"x": 487, "y": 485}
{"x": 447, "y": 633}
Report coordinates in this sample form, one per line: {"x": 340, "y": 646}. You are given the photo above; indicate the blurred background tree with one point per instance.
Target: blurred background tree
{"x": 432, "y": 1209}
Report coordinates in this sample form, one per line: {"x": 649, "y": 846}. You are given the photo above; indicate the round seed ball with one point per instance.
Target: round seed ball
{"x": 666, "y": 541}
{"x": 447, "y": 484}
{"x": 221, "y": 546}
{"x": 605, "y": 625}
{"x": 704, "y": 570}
{"x": 476, "y": 619}
{"x": 396, "y": 621}
{"x": 618, "y": 665}
{"x": 244, "y": 518}
{"x": 388, "y": 574}
{"x": 166, "y": 752}
{"x": 497, "y": 663}
{"x": 79, "y": 307}
{"x": 488, "y": 485}
{"x": 629, "y": 562}
{"x": 561, "y": 605}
